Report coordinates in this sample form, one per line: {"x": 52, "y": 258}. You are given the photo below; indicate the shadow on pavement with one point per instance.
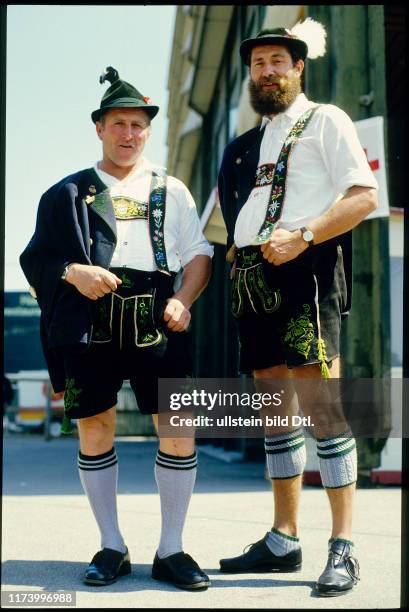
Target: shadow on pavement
{"x": 67, "y": 576}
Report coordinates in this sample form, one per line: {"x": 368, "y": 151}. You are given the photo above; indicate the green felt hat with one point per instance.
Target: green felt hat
{"x": 121, "y": 95}
{"x": 274, "y": 36}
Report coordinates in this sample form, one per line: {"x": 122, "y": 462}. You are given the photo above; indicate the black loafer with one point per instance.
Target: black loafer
{"x": 106, "y": 567}
{"x": 341, "y": 572}
{"x": 180, "y": 570}
{"x": 259, "y": 558}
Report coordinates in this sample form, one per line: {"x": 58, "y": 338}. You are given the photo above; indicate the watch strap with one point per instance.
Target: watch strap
{"x": 65, "y": 271}
{"x": 303, "y": 230}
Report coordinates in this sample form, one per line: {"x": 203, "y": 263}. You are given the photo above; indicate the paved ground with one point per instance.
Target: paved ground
{"x": 49, "y": 535}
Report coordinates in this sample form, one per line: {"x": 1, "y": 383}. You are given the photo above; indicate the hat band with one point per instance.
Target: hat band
{"x": 123, "y": 102}
{"x": 290, "y": 36}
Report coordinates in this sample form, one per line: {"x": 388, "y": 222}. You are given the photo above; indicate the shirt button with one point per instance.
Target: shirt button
{"x": 125, "y": 244}
{"x": 238, "y": 160}
{"x": 236, "y": 195}
{"x": 91, "y": 241}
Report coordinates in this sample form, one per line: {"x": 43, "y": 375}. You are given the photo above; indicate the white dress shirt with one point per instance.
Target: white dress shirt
{"x": 324, "y": 163}
{"x": 182, "y": 232}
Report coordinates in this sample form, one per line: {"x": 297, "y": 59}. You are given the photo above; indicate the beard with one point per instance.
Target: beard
{"x": 274, "y": 102}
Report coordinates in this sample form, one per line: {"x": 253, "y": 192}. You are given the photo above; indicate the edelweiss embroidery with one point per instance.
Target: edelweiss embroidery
{"x": 157, "y": 206}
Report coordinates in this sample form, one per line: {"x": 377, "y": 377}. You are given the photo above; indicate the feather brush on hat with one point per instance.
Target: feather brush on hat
{"x": 313, "y": 33}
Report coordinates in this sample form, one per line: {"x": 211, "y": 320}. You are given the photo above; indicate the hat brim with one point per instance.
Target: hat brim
{"x": 150, "y": 109}
{"x": 247, "y": 45}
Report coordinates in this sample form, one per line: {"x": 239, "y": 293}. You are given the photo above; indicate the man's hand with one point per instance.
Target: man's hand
{"x": 195, "y": 277}
{"x": 283, "y": 246}
{"x": 176, "y": 315}
{"x": 57, "y": 396}
{"x": 92, "y": 281}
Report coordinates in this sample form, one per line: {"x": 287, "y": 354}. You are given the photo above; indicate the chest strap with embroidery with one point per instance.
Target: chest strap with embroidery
{"x": 278, "y": 186}
{"x": 126, "y": 208}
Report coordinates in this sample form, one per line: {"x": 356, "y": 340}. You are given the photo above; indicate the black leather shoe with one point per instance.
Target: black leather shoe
{"x": 259, "y": 558}
{"x": 106, "y": 567}
{"x": 341, "y": 572}
{"x": 180, "y": 570}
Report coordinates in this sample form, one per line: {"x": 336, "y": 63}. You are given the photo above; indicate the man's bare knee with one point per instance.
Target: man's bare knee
{"x": 178, "y": 447}
{"x": 97, "y": 432}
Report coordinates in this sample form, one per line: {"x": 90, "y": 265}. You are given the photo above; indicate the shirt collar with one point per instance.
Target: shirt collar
{"x": 300, "y": 104}
{"x": 111, "y": 180}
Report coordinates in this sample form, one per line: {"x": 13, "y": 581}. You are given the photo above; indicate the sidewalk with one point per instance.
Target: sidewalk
{"x": 49, "y": 534}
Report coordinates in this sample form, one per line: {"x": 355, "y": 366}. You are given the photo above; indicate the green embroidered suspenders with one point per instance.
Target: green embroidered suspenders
{"x": 277, "y": 194}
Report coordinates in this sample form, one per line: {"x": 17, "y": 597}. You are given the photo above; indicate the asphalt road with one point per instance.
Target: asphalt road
{"x": 49, "y": 534}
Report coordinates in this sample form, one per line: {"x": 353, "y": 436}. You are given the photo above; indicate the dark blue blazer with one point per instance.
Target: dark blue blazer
{"x": 75, "y": 223}
{"x": 236, "y": 180}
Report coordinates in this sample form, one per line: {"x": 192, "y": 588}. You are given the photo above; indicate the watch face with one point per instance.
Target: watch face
{"x": 308, "y": 235}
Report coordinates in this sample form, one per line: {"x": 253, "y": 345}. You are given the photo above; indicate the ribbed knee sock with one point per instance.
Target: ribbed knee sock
{"x": 99, "y": 477}
{"x": 175, "y": 477}
{"x": 338, "y": 460}
{"x": 285, "y": 454}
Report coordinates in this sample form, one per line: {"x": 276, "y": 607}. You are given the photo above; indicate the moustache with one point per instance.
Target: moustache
{"x": 280, "y": 82}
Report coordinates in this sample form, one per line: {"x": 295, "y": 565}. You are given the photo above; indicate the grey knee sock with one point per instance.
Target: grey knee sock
{"x": 280, "y": 543}
{"x": 99, "y": 476}
{"x": 285, "y": 454}
{"x": 175, "y": 477}
{"x": 338, "y": 460}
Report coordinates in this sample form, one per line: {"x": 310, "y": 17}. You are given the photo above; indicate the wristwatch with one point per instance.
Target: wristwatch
{"x": 307, "y": 235}
{"x": 65, "y": 271}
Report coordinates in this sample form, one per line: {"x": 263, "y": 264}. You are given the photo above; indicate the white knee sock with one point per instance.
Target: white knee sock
{"x": 99, "y": 477}
{"x": 175, "y": 477}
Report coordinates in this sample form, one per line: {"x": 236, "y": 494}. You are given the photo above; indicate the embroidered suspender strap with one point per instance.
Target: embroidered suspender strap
{"x": 156, "y": 219}
{"x": 277, "y": 194}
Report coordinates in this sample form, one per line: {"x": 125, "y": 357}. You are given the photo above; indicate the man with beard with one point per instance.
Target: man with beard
{"x": 291, "y": 190}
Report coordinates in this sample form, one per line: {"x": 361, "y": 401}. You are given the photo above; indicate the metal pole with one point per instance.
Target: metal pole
{"x": 47, "y": 419}
{"x": 405, "y": 428}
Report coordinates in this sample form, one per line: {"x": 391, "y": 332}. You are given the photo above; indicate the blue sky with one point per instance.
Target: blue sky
{"x": 55, "y": 55}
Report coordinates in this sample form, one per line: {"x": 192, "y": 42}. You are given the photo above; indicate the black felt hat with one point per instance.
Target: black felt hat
{"x": 121, "y": 95}
{"x": 275, "y": 36}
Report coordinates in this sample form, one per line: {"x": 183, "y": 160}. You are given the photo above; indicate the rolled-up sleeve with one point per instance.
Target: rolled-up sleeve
{"x": 191, "y": 240}
{"x": 342, "y": 152}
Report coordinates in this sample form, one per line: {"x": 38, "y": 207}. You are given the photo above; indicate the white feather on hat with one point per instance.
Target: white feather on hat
{"x": 313, "y": 34}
